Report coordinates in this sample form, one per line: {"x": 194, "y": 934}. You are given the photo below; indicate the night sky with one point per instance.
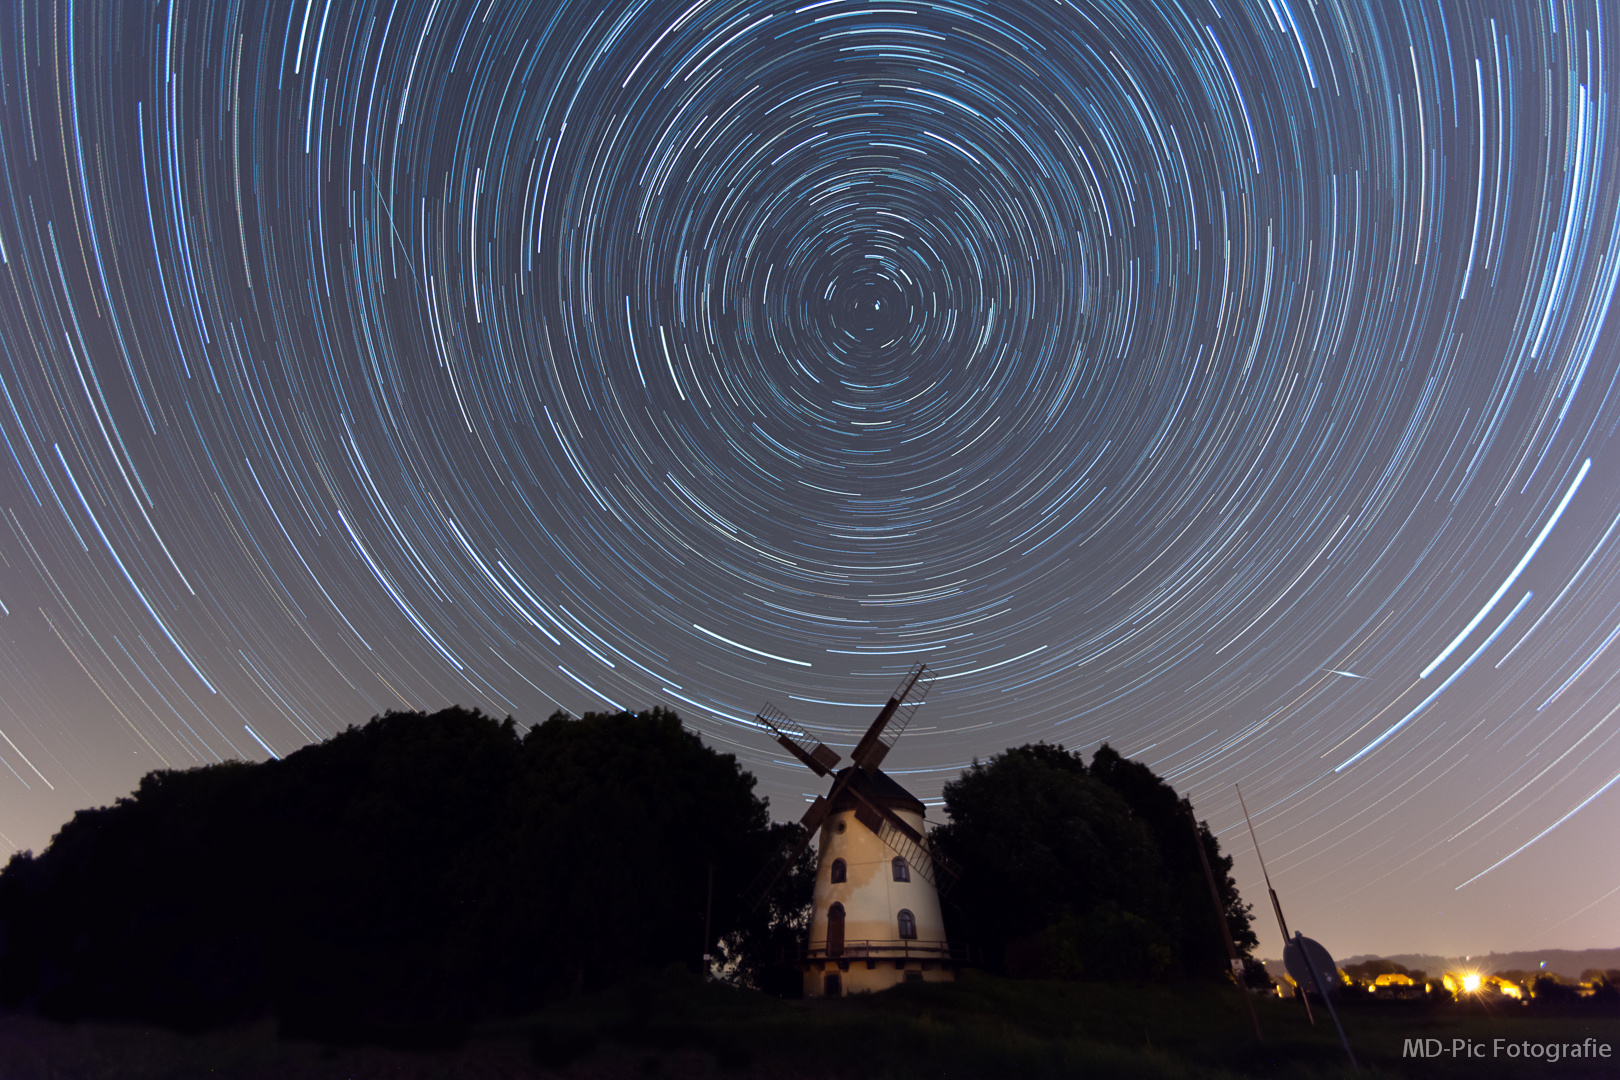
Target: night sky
{"x": 1232, "y": 382}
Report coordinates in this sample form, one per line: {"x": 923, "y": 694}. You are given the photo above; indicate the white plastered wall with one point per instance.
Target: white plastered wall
{"x": 872, "y": 902}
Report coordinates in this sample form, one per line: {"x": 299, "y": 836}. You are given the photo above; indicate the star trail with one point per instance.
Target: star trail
{"x": 1235, "y": 383}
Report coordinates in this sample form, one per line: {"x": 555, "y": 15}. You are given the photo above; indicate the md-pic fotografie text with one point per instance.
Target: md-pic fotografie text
{"x": 1498, "y": 1048}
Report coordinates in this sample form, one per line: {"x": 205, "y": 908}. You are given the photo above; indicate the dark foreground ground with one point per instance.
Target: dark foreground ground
{"x": 980, "y": 1027}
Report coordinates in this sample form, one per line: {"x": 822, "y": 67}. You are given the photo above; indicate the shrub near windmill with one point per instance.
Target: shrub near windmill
{"x": 876, "y": 919}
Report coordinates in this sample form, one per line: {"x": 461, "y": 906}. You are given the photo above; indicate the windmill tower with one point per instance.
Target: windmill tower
{"x": 876, "y": 918}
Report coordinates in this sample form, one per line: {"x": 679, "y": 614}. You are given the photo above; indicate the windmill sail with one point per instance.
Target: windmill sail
{"x": 772, "y": 871}
{"x": 898, "y": 924}
{"x": 813, "y": 753}
{"x": 766, "y": 880}
{"x": 905, "y": 841}
{"x": 874, "y": 746}
{"x": 892, "y": 720}
{"x": 817, "y": 813}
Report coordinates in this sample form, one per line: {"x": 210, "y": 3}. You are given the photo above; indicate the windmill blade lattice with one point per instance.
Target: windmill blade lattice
{"x": 919, "y": 856}
{"x": 891, "y": 722}
{"x": 771, "y": 873}
{"x": 818, "y": 757}
{"x": 760, "y": 888}
{"x": 874, "y": 746}
{"x": 906, "y": 842}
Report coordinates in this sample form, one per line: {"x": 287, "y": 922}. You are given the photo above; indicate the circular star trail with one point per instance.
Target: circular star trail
{"x": 1234, "y": 383}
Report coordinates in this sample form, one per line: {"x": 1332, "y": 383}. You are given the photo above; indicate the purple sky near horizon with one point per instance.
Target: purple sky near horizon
{"x": 1233, "y": 383}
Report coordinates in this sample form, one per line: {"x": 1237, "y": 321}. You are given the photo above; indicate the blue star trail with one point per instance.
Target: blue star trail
{"x": 1213, "y": 379}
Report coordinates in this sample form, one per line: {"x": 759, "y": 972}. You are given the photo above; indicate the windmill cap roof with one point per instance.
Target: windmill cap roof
{"x": 879, "y": 787}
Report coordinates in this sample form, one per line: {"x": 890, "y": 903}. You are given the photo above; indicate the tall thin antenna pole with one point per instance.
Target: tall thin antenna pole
{"x": 1282, "y": 924}
{"x": 1226, "y": 929}
{"x": 1322, "y": 988}
{"x": 708, "y": 909}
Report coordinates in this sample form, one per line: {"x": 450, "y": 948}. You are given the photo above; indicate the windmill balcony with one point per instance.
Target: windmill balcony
{"x": 901, "y": 949}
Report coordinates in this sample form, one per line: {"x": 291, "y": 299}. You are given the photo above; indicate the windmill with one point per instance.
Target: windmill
{"x": 875, "y": 918}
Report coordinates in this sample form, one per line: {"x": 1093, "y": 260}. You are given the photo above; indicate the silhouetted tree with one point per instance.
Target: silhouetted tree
{"x": 1605, "y": 987}
{"x": 1190, "y": 917}
{"x": 1077, "y": 872}
{"x": 627, "y": 816}
{"x": 1548, "y": 989}
{"x": 397, "y": 880}
{"x": 1044, "y": 850}
{"x": 758, "y": 951}
{"x": 1255, "y": 975}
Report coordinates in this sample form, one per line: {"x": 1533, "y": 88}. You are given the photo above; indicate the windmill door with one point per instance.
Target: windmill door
{"x": 835, "y": 930}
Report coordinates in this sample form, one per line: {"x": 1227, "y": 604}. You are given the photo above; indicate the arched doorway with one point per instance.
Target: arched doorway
{"x": 835, "y": 930}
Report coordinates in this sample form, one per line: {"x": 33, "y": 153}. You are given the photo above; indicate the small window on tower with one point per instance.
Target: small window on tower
{"x": 908, "y": 925}
{"x": 902, "y": 872}
{"x": 838, "y": 874}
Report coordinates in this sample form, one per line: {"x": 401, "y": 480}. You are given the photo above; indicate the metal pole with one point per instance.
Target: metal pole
{"x": 708, "y": 909}
{"x": 1282, "y": 924}
{"x": 1322, "y": 988}
{"x": 1226, "y": 929}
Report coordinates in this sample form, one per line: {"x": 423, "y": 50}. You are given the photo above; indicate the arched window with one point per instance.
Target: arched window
{"x": 902, "y": 872}
{"x": 908, "y": 925}
{"x": 838, "y": 874}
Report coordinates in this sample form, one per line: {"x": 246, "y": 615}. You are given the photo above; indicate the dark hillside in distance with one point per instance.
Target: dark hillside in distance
{"x": 1570, "y": 963}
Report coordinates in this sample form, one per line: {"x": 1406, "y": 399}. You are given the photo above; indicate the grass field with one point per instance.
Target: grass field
{"x": 979, "y": 1027}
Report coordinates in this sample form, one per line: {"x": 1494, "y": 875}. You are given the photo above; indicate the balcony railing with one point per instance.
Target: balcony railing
{"x": 880, "y": 949}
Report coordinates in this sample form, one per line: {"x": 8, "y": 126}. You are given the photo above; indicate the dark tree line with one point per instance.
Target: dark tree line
{"x": 399, "y": 879}
{"x": 1070, "y": 871}
{"x": 405, "y": 878}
